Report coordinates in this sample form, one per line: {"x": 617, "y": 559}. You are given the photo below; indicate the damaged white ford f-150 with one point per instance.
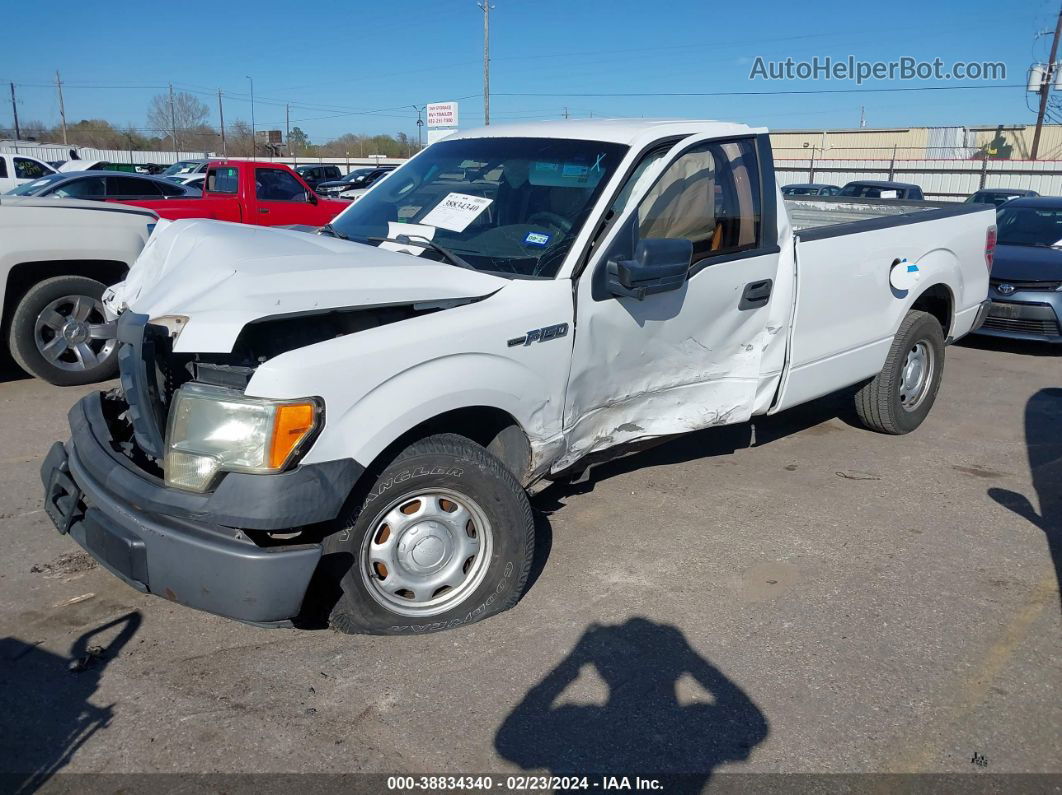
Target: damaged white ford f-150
{"x": 345, "y": 425}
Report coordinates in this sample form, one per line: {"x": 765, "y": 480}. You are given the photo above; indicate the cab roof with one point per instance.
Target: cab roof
{"x": 620, "y": 131}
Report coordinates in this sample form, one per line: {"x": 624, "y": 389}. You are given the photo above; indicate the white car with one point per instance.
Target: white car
{"x": 346, "y": 425}
{"x": 17, "y": 170}
{"x": 56, "y": 258}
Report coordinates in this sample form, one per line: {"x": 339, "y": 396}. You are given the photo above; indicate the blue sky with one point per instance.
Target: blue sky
{"x": 338, "y": 62}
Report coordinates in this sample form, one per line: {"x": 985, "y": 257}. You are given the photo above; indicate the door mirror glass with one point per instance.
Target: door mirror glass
{"x": 659, "y": 265}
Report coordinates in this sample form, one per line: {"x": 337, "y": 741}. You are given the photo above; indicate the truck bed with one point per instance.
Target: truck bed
{"x": 816, "y": 212}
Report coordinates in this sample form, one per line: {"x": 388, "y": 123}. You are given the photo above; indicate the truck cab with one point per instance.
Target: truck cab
{"x": 252, "y": 192}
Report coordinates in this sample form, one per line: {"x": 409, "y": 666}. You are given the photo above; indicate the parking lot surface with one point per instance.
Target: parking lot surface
{"x": 801, "y": 596}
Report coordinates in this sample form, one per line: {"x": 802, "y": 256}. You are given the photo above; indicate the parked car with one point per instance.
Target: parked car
{"x": 316, "y": 174}
{"x": 107, "y": 165}
{"x": 184, "y": 167}
{"x": 367, "y": 405}
{"x": 196, "y": 180}
{"x": 265, "y": 194}
{"x": 810, "y": 189}
{"x": 998, "y": 196}
{"x": 56, "y": 258}
{"x": 104, "y": 186}
{"x": 359, "y": 178}
{"x": 1026, "y": 285}
{"x": 874, "y": 189}
{"x": 17, "y": 170}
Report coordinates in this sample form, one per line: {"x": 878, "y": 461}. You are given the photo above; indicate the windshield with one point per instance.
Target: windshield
{"x": 796, "y": 190}
{"x": 180, "y": 167}
{"x": 357, "y": 175}
{"x": 35, "y": 187}
{"x": 1029, "y": 226}
{"x": 508, "y": 205}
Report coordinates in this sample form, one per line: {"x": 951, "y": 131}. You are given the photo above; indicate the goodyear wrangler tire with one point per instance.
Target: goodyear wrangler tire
{"x": 899, "y": 398}
{"x": 444, "y": 537}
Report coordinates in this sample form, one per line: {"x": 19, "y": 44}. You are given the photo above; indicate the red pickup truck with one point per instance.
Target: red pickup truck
{"x": 250, "y": 192}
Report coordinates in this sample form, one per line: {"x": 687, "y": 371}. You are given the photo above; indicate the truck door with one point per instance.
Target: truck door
{"x": 221, "y": 192}
{"x": 282, "y": 199}
{"x": 692, "y": 356}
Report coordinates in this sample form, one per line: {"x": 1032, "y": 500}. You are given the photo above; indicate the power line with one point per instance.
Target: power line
{"x": 748, "y": 93}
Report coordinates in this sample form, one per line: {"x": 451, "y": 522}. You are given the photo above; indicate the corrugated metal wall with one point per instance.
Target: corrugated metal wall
{"x": 939, "y": 179}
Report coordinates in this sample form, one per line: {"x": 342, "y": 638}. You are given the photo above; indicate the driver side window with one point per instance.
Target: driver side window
{"x": 710, "y": 196}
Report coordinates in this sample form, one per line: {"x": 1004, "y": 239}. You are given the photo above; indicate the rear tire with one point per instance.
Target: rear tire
{"x": 70, "y": 306}
{"x": 899, "y": 398}
{"x": 443, "y": 537}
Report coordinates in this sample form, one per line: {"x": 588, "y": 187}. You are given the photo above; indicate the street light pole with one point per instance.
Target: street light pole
{"x": 485, "y": 5}
{"x": 254, "y": 140}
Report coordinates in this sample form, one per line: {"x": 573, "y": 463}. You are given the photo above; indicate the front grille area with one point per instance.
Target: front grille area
{"x": 1022, "y": 286}
{"x": 1045, "y": 328}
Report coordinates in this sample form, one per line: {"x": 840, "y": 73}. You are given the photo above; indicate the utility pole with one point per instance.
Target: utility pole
{"x": 173, "y": 124}
{"x": 420, "y": 128}
{"x": 254, "y": 142}
{"x": 14, "y": 112}
{"x": 62, "y": 108}
{"x": 862, "y": 118}
{"x": 1045, "y": 87}
{"x": 485, "y": 5}
{"x": 221, "y": 116}
{"x": 287, "y": 132}
{"x": 565, "y": 111}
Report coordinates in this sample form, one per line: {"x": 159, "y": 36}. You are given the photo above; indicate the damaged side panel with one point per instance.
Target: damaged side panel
{"x": 674, "y": 362}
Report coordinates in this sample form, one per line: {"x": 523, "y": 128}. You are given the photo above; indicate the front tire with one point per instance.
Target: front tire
{"x": 444, "y": 537}
{"x": 899, "y": 398}
{"x": 59, "y": 332}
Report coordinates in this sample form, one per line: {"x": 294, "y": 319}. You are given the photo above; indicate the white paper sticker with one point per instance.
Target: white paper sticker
{"x": 889, "y": 194}
{"x": 394, "y": 229}
{"x": 456, "y": 211}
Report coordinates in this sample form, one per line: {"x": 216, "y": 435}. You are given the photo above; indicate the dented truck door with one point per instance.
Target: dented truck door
{"x": 685, "y": 353}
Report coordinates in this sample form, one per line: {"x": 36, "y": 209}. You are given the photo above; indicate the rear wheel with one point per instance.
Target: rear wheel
{"x": 59, "y": 332}
{"x": 899, "y": 398}
{"x": 444, "y": 537}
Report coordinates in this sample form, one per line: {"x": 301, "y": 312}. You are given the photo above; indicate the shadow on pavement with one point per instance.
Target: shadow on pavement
{"x": 668, "y": 711}
{"x": 1043, "y": 442}
{"x": 45, "y": 714}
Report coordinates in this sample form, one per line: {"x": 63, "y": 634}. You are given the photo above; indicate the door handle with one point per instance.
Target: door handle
{"x": 263, "y": 210}
{"x": 756, "y": 294}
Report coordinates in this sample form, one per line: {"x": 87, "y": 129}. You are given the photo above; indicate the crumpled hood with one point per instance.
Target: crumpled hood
{"x": 222, "y": 276}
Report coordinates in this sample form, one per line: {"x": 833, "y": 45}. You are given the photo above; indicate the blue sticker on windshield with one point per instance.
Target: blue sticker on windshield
{"x": 536, "y": 239}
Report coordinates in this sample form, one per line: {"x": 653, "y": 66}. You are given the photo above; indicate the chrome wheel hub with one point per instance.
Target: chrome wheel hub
{"x": 916, "y": 376}
{"x": 426, "y": 552}
{"x": 72, "y": 333}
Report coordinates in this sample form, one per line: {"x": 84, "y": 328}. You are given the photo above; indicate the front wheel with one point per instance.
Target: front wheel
{"x": 59, "y": 332}
{"x": 899, "y": 398}
{"x": 444, "y": 537}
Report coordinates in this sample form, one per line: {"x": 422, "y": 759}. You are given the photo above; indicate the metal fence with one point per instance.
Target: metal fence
{"x": 946, "y": 180}
{"x": 55, "y": 152}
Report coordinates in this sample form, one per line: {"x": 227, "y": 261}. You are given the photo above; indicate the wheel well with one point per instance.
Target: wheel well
{"x": 26, "y": 274}
{"x": 938, "y": 302}
{"x": 494, "y": 429}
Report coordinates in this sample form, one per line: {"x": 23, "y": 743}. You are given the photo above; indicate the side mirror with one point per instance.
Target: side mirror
{"x": 311, "y": 197}
{"x": 659, "y": 265}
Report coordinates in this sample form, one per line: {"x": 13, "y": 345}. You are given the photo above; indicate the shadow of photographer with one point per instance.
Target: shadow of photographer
{"x": 45, "y": 713}
{"x": 649, "y": 725}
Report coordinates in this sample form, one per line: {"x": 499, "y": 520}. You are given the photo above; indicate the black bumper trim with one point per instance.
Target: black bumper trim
{"x": 305, "y": 495}
{"x": 207, "y": 567}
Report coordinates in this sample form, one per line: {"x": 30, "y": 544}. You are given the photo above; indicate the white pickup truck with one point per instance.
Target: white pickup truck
{"x": 346, "y": 424}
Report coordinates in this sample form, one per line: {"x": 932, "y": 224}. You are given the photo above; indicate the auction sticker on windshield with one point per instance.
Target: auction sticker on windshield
{"x": 456, "y": 211}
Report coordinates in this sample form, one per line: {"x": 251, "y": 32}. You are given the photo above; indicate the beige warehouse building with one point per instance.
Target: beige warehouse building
{"x": 996, "y": 142}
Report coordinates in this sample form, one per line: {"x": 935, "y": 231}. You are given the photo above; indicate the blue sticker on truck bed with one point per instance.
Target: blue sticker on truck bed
{"x": 536, "y": 239}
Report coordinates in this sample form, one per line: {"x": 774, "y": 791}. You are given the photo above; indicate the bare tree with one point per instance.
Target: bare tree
{"x": 188, "y": 113}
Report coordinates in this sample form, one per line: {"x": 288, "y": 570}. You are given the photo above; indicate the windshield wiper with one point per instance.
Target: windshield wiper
{"x": 424, "y": 242}
{"x": 328, "y": 229}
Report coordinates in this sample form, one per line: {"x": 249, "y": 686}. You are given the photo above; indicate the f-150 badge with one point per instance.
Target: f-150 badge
{"x": 540, "y": 335}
